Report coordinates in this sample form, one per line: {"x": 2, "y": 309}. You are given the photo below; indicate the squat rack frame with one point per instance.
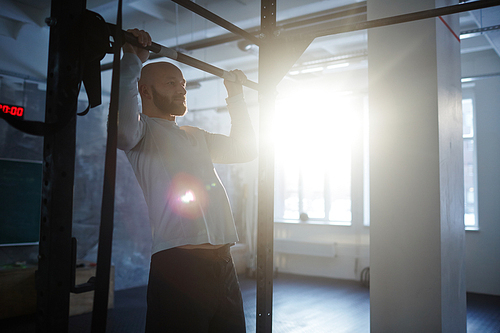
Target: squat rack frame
{"x": 277, "y": 54}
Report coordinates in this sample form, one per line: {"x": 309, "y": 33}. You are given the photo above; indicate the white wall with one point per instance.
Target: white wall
{"x": 339, "y": 252}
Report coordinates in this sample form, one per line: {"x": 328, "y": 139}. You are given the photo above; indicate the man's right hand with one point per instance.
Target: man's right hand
{"x": 144, "y": 38}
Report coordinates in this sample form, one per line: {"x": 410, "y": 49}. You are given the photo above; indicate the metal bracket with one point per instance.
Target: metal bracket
{"x": 84, "y": 287}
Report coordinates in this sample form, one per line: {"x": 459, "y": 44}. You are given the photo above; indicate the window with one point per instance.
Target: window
{"x": 470, "y": 165}
{"x": 314, "y": 136}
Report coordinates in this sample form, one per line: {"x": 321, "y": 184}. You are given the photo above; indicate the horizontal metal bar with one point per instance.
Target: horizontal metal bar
{"x": 479, "y": 30}
{"x": 197, "y": 9}
{"x": 22, "y": 76}
{"x": 332, "y": 16}
{"x": 289, "y": 26}
{"x": 310, "y": 25}
{"x": 415, "y": 16}
{"x": 187, "y": 60}
{"x": 466, "y": 79}
{"x": 310, "y": 21}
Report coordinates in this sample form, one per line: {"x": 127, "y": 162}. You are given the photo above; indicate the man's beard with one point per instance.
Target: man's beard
{"x": 166, "y": 105}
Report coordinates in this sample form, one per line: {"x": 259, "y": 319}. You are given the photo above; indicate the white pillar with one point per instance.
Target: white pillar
{"x": 416, "y": 172}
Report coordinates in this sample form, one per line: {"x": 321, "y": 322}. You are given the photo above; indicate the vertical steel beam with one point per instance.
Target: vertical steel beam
{"x": 101, "y": 295}
{"x": 276, "y": 56}
{"x": 265, "y": 224}
{"x": 54, "y": 265}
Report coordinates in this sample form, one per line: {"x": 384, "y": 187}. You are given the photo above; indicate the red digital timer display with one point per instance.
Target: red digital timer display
{"x": 13, "y": 110}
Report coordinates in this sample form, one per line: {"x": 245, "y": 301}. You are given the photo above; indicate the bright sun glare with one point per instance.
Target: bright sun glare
{"x": 313, "y": 136}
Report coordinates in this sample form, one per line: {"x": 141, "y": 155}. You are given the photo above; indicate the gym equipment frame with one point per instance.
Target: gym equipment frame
{"x": 56, "y": 259}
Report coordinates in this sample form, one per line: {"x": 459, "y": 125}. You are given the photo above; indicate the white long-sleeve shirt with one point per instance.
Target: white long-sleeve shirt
{"x": 186, "y": 200}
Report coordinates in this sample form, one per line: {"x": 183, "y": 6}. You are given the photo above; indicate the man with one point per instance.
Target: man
{"x": 192, "y": 285}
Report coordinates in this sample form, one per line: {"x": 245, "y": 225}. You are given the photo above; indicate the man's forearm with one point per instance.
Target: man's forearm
{"x": 129, "y": 108}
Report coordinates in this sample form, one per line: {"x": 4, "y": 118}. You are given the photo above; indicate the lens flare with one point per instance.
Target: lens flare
{"x": 187, "y": 196}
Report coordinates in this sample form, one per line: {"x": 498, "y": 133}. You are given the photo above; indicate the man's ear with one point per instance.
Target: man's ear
{"x": 145, "y": 92}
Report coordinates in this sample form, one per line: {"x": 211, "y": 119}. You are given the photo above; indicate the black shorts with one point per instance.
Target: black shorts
{"x": 194, "y": 291}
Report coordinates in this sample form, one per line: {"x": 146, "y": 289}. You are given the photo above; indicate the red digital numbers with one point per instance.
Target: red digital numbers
{"x": 12, "y": 109}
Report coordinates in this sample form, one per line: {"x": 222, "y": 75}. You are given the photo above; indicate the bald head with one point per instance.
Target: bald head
{"x": 153, "y": 72}
{"x": 163, "y": 90}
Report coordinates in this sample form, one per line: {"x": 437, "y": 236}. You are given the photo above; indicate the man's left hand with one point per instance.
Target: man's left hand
{"x": 235, "y": 88}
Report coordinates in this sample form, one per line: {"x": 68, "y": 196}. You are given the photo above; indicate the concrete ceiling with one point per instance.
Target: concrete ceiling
{"x": 24, "y": 35}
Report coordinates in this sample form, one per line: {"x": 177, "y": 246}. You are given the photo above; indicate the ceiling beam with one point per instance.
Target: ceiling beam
{"x": 9, "y": 27}
{"x": 153, "y": 10}
{"x": 12, "y": 11}
{"x": 195, "y": 8}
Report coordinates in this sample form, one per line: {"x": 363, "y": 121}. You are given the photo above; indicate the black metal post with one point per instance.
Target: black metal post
{"x": 101, "y": 294}
{"x": 54, "y": 264}
{"x": 265, "y": 223}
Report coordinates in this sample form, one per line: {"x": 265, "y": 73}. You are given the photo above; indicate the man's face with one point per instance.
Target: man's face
{"x": 169, "y": 92}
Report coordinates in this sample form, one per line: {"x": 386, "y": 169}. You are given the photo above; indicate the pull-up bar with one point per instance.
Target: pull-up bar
{"x": 185, "y": 59}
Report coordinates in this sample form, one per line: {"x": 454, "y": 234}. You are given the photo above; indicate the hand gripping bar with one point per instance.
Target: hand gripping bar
{"x": 185, "y": 59}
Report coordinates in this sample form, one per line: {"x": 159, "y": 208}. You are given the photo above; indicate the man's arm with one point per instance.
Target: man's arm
{"x": 241, "y": 144}
{"x": 130, "y": 128}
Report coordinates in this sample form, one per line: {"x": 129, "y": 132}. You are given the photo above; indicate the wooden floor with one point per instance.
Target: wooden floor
{"x": 301, "y": 305}
{"x": 310, "y": 304}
